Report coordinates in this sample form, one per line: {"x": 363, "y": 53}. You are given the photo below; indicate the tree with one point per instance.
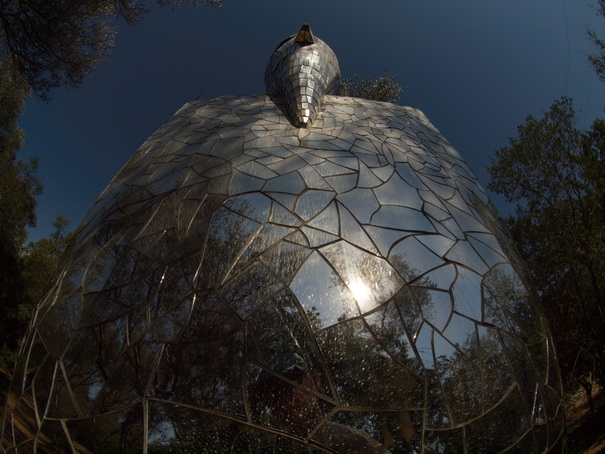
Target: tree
{"x": 556, "y": 174}
{"x": 19, "y": 186}
{"x": 51, "y": 43}
{"x": 43, "y": 44}
{"x": 383, "y": 88}
{"x": 39, "y": 260}
{"x": 598, "y": 59}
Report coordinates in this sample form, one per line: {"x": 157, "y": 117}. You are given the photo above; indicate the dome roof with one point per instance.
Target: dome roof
{"x": 244, "y": 284}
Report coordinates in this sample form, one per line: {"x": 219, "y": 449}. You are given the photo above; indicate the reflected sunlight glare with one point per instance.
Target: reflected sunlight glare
{"x": 361, "y": 293}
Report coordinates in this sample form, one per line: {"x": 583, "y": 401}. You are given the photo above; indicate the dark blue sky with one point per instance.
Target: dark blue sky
{"x": 475, "y": 67}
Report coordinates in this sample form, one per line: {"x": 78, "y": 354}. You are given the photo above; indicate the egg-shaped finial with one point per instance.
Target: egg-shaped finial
{"x": 301, "y": 70}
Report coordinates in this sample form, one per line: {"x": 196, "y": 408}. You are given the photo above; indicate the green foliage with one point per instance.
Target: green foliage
{"x": 51, "y": 43}
{"x": 383, "y": 88}
{"x": 597, "y": 59}
{"x": 39, "y": 261}
{"x": 18, "y": 188}
{"x": 43, "y": 44}
{"x": 556, "y": 174}
{"x": 23, "y": 274}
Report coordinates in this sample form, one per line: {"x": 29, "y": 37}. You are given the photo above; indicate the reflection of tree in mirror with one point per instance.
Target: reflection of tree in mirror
{"x": 371, "y": 358}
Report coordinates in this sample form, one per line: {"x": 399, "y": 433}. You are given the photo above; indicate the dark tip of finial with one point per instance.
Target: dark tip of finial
{"x": 305, "y": 36}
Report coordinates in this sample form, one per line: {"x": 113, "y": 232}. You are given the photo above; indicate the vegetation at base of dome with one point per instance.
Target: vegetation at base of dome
{"x": 384, "y": 88}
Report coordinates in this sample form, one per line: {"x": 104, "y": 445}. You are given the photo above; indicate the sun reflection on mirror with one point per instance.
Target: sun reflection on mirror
{"x": 362, "y": 293}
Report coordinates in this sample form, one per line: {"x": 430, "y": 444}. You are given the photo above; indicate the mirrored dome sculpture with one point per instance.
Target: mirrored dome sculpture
{"x": 295, "y": 272}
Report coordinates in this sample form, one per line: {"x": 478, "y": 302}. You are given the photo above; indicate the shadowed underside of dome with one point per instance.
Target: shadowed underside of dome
{"x": 248, "y": 285}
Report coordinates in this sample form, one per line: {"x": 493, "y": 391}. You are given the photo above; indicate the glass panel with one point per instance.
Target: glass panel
{"x": 281, "y": 215}
{"x": 313, "y": 179}
{"x": 442, "y": 190}
{"x": 54, "y": 438}
{"x": 402, "y": 218}
{"x": 384, "y": 238}
{"x": 322, "y": 293}
{"x": 467, "y": 293}
{"x": 317, "y": 238}
{"x": 122, "y": 430}
{"x": 450, "y": 229}
{"x": 241, "y": 182}
{"x": 128, "y": 380}
{"x": 385, "y": 172}
{"x": 361, "y": 202}
{"x": 397, "y": 192}
{"x": 291, "y": 183}
{"x": 370, "y": 279}
{"x": 351, "y": 231}
{"x": 437, "y": 411}
{"x": 436, "y": 307}
{"x": 463, "y": 253}
{"x": 467, "y": 222}
{"x": 62, "y": 404}
{"x": 440, "y": 278}
{"x": 489, "y": 239}
{"x": 287, "y": 393}
{"x": 250, "y": 288}
{"x": 436, "y": 213}
{"x": 288, "y": 165}
{"x": 461, "y": 332}
{"x": 436, "y": 243}
{"x": 412, "y": 259}
{"x": 389, "y": 329}
{"x": 86, "y": 366}
{"x": 279, "y": 339}
{"x": 229, "y": 232}
{"x": 445, "y": 440}
{"x": 342, "y": 183}
{"x": 409, "y": 175}
{"x": 211, "y": 318}
{"x": 255, "y": 206}
{"x": 169, "y": 327}
{"x": 285, "y": 258}
{"x": 371, "y": 432}
{"x": 346, "y": 161}
{"x": 59, "y": 324}
{"x": 489, "y": 256}
{"x": 257, "y": 170}
{"x": 495, "y": 314}
{"x": 267, "y": 237}
{"x": 312, "y": 202}
{"x": 327, "y": 220}
{"x": 363, "y": 373}
{"x": 298, "y": 237}
{"x": 207, "y": 375}
{"x": 329, "y": 169}
{"x": 366, "y": 178}
{"x": 424, "y": 346}
{"x": 461, "y": 381}
{"x": 497, "y": 376}
{"x": 407, "y": 304}
{"x": 499, "y": 429}
{"x": 100, "y": 268}
{"x": 287, "y": 200}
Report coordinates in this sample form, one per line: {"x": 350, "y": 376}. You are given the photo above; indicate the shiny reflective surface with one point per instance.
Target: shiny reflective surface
{"x": 244, "y": 285}
{"x": 300, "y": 72}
